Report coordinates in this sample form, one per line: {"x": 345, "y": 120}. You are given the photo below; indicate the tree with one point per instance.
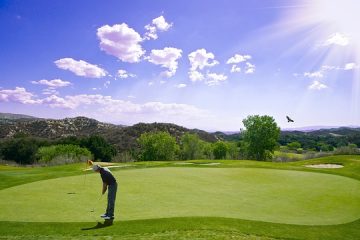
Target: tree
{"x": 233, "y": 150}
{"x": 101, "y": 149}
{"x": 261, "y": 136}
{"x": 191, "y": 146}
{"x": 294, "y": 145}
{"x": 157, "y": 146}
{"x": 20, "y": 150}
{"x": 220, "y": 149}
{"x": 207, "y": 150}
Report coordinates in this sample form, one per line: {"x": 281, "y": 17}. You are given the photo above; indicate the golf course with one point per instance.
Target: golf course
{"x": 197, "y": 199}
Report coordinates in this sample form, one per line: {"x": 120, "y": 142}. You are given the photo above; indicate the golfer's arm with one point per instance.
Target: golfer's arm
{"x": 104, "y": 188}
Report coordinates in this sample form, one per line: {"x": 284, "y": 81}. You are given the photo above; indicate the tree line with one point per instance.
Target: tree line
{"x": 258, "y": 141}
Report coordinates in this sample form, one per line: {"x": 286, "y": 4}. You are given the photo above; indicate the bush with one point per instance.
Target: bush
{"x": 159, "y": 146}
{"x": 191, "y": 147}
{"x": 62, "y": 154}
{"x": 220, "y": 150}
{"x": 351, "y": 149}
{"x": 101, "y": 149}
{"x": 22, "y": 150}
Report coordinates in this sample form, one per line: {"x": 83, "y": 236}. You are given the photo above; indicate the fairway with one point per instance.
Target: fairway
{"x": 270, "y": 195}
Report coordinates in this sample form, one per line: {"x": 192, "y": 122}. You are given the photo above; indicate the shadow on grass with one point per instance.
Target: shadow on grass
{"x": 107, "y": 223}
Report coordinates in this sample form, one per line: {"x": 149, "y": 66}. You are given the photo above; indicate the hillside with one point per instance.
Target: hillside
{"x": 123, "y": 137}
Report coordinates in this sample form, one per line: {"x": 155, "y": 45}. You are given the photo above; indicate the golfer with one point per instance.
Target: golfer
{"x": 109, "y": 182}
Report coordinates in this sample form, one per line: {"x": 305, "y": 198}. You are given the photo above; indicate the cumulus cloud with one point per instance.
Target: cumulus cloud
{"x": 124, "y": 74}
{"x": 121, "y": 41}
{"x": 250, "y": 68}
{"x": 167, "y": 58}
{"x": 337, "y": 39}
{"x": 316, "y": 85}
{"x": 18, "y": 95}
{"x": 235, "y": 68}
{"x": 156, "y": 24}
{"x": 200, "y": 59}
{"x": 55, "y": 83}
{"x": 81, "y": 68}
{"x": 215, "y": 79}
{"x": 196, "y": 76}
{"x": 237, "y": 58}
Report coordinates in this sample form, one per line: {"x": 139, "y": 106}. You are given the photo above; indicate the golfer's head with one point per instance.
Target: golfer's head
{"x": 96, "y": 168}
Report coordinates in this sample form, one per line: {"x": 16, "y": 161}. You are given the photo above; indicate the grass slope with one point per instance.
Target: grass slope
{"x": 180, "y": 228}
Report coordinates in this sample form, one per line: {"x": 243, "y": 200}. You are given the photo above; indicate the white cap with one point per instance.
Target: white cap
{"x": 95, "y": 167}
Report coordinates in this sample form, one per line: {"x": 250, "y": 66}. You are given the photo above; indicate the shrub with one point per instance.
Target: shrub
{"x": 191, "y": 146}
{"x": 62, "y": 154}
{"x": 159, "y": 146}
{"x": 351, "y": 149}
{"x": 220, "y": 150}
{"x": 22, "y": 150}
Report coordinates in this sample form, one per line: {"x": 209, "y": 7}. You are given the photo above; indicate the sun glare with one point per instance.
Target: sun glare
{"x": 333, "y": 25}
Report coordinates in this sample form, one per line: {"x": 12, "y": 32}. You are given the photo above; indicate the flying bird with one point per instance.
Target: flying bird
{"x": 289, "y": 119}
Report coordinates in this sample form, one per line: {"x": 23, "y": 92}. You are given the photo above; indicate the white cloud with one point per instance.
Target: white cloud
{"x": 167, "y": 58}
{"x": 150, "y": 83}
{"x": 18, "y": 95}
{"x": 337, "y": 39}
{"x": 200, "y": 59}
{"x": 316, "y": 85}
{"x": 181, "y": 85}
{"x": 235, "y": 68}
{"x": 237, "y": 58}
{"x": 109, "y": 105}
{"x": 196, "y": 76}
{"x": 350, "y": 66}
{"x": 250, "y": 68}
{"x": 50, "y": 91}
{"x": 156, "y": 24}
{"x": 55, "y": 83}
{"x": 215, "y": 79}
{"x": 81, "y": 68}
{"x": 106, "y": 84}
{"x": 317, "y": 74}
{"x": 121, "y": 41}
{"x": 124, "y": 74}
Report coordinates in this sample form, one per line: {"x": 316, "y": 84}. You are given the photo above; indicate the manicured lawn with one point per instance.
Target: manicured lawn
{"x": 163, "y": 200}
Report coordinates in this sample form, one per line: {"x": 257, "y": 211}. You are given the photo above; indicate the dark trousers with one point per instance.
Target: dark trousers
{"x": 111, "y": 200}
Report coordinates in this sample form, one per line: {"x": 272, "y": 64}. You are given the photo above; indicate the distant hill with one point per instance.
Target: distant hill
{"x": 15, "y": 116}
{"x": 123, "y": 137}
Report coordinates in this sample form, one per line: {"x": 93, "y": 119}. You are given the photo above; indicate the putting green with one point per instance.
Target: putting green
{"x": 279, "y": 196}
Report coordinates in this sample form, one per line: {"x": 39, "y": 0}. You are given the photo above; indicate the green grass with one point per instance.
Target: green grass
{"x": 142, "y": 185}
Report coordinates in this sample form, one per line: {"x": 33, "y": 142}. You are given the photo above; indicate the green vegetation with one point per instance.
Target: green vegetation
{"x": 260, "y": 137}
{"x": 60, "y": 154}
{"x": 22, "y": 150}
{"x": 204, "y": 227}
{"x": 191, "y": 147}
{"x": 28, "y": 150}
{"x": 159, "y": 146}
{"x": 220, "y": 149}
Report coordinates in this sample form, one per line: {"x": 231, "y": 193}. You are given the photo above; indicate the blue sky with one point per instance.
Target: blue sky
{"x": 200, "y": 64}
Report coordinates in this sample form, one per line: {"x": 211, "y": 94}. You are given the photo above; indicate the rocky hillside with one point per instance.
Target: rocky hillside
{"x": 123, "y": 137}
